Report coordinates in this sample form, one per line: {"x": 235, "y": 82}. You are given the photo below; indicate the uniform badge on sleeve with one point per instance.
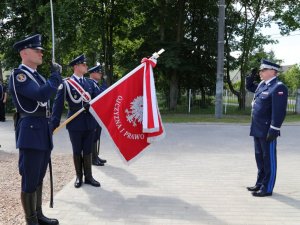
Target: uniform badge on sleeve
{"x": 21, "y": 77}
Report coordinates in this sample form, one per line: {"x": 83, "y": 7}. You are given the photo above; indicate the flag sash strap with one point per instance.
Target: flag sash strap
{"x": 85, "y": 95}
{"x": 150, "y": 109}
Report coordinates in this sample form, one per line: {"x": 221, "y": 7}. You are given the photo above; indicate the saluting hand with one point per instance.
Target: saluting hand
{"x": 254, "y": 73}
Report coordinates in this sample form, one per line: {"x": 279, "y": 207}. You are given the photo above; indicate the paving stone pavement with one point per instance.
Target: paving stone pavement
{"x": 197, "y": 175}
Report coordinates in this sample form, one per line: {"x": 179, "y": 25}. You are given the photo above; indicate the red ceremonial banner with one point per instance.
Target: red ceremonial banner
{"x": 120, "y": 110}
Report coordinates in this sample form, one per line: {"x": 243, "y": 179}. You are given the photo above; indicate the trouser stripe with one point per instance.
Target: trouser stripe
{"x": 272, "y": 166}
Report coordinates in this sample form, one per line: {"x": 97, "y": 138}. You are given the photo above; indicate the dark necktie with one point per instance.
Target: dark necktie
{"x": 38, "y": 78}
{"x": 81, "y": 81}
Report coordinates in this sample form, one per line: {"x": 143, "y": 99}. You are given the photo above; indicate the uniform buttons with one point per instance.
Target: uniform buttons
{"x": 31, "y": 126}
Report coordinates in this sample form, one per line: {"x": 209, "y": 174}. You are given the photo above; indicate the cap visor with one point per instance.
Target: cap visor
{"x": 40, "y": 48}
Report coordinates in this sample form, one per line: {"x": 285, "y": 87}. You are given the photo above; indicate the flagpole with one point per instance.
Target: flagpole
{"x": 53, "y": 35}
{"x": 53, "y": 60}
{"x": 68, "y": 120}
{"x": 155, "y": 55}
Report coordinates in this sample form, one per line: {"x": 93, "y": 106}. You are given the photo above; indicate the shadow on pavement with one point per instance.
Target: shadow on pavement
{"x": 122, "y": 176}
{"x": 287, "y": 200}
{"x": 111, "y": 205}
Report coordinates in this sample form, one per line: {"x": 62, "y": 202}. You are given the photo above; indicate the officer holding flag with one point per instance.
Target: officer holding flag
{"x": 77, "y": 91}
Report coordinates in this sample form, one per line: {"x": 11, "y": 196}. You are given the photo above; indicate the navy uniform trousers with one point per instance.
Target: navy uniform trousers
{"x": 98, "y": 130}
{"x": 266, "y": 162}
{"x": 32, "y": 176}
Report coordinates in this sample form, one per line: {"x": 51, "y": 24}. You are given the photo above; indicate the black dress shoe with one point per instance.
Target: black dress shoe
{"x": 97, "y": 163}
{"x": 78, "y": 182}
{"x": 254, "y": 188}
{"x": 102, "y": 160}
{"x": 261, "y": 193}
{"x": 92, "y": 182}
{"x": 43, "y": 220}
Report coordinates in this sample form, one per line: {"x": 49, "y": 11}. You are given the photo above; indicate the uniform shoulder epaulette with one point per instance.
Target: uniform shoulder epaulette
{"x": 89, "y": 79}
{"x": 62, "y": 84}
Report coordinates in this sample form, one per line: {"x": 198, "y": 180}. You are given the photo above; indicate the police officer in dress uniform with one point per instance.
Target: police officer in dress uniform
{"x": 30, "y": 94}
{"x": 78, "y": 91}
{"x": 268, "y": 113}
{"x": 96, "y": 76}
{"x": 3, "y": 97}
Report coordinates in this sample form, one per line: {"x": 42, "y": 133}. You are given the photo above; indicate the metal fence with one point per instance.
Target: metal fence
{"x": 230, "y": 99}
{"x": 191, "y": 102}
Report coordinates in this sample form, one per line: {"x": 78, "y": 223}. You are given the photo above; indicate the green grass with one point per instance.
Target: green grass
{"x": 204, "y": 118}
{"x": 210, "y": 118}
{"x": 207, "y": 115}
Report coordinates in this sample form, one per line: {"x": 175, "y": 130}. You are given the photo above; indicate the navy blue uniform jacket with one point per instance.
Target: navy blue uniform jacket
{"x": 84, "y": 121}
{"x": 268, "y": 106}
{"x": 32, "y": 132}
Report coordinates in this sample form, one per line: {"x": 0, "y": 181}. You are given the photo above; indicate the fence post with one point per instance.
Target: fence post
{"x": 298, "y": 101}
{"x": 190, "y": 98}
{"x": 226, "y": 101}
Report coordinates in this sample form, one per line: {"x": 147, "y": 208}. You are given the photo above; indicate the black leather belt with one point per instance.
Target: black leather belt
{"x": 35, "y": 114}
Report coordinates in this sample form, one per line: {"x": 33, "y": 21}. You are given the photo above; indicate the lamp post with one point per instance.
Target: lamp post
{"x": 220, "y": 61}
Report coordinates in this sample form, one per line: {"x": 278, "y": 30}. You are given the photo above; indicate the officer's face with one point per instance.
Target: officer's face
{"x": 81, "y": 68}
{"x": 267, "y": 74}
{"x": 32, "y": 57}
{"x": 96, "y": 76}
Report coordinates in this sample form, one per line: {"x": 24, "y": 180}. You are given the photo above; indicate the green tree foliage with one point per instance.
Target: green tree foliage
{"x": 292, "y": 78}
{"x": 243, "y": 34}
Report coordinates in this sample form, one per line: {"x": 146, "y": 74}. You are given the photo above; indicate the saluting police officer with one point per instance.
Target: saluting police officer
{"x": 3, "y": 98}
{"x": 78, "y": 91}
{"x": 96, "y": 75}
{"x": 268, "y": 113}
{"x": 30, "y": 94}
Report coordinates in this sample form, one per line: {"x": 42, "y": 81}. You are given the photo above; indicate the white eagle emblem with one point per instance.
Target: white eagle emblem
{"x": 134, "y": 115}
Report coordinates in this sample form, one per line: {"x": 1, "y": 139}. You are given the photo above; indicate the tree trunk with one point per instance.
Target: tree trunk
{"x": 173, "y": 90}
{"x": 203, "y": 98}
{"x": 108, "y": 40}
{"x": 1, "y": 74}
{"x": 242, "y": 98}
{"x": 174, "y": 75}
{"x": 162, "y": 24}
